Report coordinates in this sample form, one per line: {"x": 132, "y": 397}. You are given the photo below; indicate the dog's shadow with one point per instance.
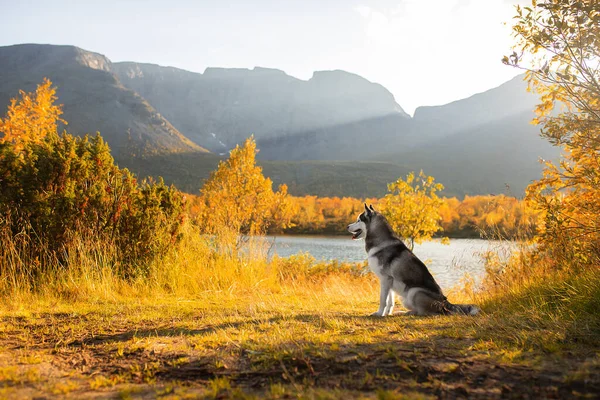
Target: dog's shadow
{"x": 397, "y": 315}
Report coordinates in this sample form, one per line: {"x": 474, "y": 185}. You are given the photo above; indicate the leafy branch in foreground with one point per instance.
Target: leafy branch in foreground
{"x": 558, "y": 43}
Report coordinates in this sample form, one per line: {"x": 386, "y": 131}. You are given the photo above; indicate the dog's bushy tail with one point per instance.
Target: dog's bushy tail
{"x": 462, "y": 309}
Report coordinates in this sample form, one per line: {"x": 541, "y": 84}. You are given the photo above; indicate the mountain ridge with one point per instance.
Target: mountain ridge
{"x": 336, "y": 120}
{"x": 226, "y": 105}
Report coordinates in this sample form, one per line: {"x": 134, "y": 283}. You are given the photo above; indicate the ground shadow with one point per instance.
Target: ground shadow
{"x": 438, "y": 367}
{"x": 163, "y": 331}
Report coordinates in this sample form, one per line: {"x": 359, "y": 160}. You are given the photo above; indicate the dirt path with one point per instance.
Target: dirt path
{"x": 273, "y": 355}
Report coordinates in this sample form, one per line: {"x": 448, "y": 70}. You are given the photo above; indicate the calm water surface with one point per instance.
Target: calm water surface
{"x": 447, "y": 263}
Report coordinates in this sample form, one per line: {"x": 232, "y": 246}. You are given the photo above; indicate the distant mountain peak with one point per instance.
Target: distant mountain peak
{"x": 46, "y": 55}
{"x": 238, "y": 73}
{"x": 336, "y": 73}
{"x": 234, "y": 103}
{"x": 504, "y": 93}
{"x": 93, "y": 98}
{"x": 268, "y": 71}
{"x": 350, "y": 84}
{"x": 218, "y": 72}
{"x": 93, "y": 60}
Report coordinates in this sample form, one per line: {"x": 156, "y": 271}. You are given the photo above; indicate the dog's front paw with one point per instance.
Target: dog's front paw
{"x": 377, "y": 314}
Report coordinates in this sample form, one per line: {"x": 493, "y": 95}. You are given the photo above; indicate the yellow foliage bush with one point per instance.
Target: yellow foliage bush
{"x": 237, "y": 200}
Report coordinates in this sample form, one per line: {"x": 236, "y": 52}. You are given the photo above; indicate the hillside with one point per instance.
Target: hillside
{"x": 322, "y": 178}
{"x": 360, "y": 140}
{"x": 497, "y": 104}
{"x": 479, "y": 145}
{"x": 483, "y": 144}
{"x": 93, "y": 98}
{"x": 222, "y": 107}
{"x": 496, "y": 157}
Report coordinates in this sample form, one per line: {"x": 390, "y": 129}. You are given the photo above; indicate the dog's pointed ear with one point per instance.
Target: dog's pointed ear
{"x": 367, "y": 209}
{"x": 371, "y": 207}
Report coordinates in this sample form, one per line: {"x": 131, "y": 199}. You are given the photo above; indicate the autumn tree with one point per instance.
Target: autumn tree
{"x": 308, "y": 215}
{"x": 449, "y": 214}
{"x": 31, "y": 116}
{"x": 238, "y": 200}
{"x": 558, "y": 44}
{"x": 412, "y": 207}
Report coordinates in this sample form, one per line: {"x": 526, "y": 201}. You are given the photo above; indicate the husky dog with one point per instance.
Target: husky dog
{"x": 400, "y": 271}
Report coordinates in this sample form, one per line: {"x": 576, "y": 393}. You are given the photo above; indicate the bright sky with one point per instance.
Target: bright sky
{"x": 426, "y": 52}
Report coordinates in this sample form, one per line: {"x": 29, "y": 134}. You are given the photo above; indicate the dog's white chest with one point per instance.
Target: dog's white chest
{"x": 375, "y": 266}
{"x": 379, "y": 269}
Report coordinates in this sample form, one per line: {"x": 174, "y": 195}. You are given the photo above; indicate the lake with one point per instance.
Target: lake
{"x": 447, "y": 263}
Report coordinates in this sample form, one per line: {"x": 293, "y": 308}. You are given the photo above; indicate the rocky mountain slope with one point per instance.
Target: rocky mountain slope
{"x": 222, "y": 107}
{"x": 93, "y": 97}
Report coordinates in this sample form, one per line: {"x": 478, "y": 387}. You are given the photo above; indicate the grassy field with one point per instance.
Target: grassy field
{"x": 305, "y": 339}
{"x": 200, "y": 323}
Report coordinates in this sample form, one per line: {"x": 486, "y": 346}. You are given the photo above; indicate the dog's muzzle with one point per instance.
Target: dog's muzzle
{"x": 355, "y": 234}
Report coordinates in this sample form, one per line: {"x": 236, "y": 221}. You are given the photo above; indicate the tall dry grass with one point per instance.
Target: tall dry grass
{"x": 530, "y": 302}
{"x": 88, "y": 269}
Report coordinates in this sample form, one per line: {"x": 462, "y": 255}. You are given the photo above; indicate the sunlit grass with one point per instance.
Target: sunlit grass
{"x": 204, "y": 324}
{"x": 286, "y": 342}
